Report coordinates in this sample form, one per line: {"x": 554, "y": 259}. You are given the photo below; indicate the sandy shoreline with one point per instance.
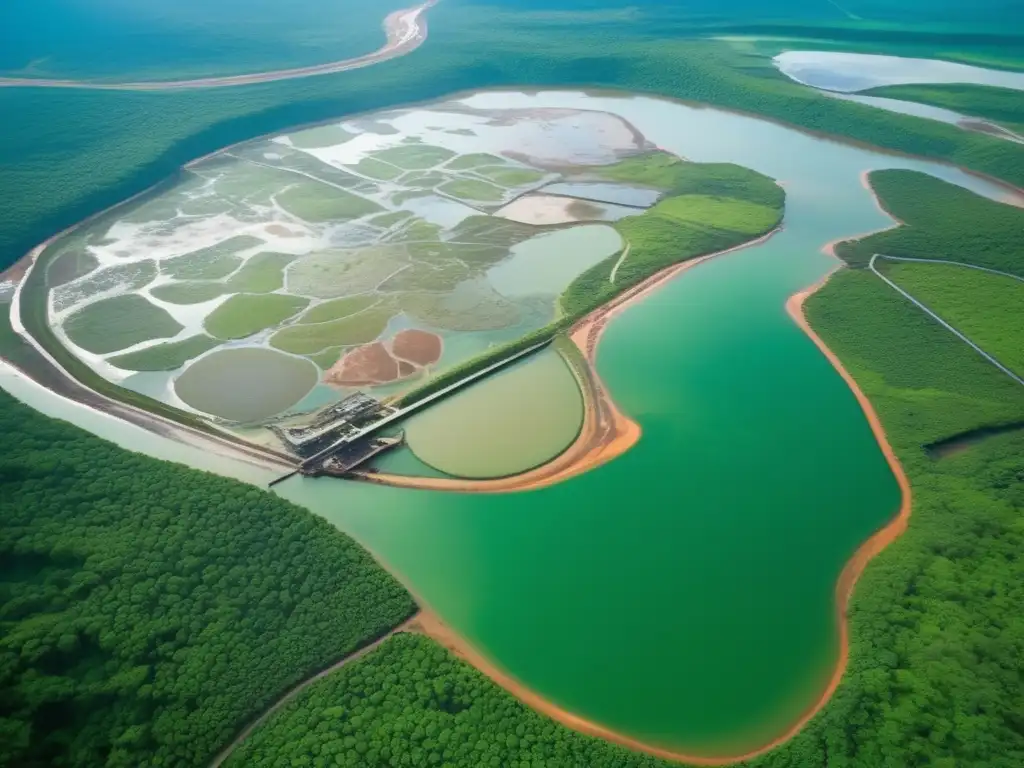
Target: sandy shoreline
{"x": 829, "y": 248}
{"x": 606, "y": 432}
{"x": 880, "y": 539}
{"x": 405, "y": 29}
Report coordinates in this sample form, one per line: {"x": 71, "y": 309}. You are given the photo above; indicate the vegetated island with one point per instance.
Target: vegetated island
{"x": 406, "y": 29}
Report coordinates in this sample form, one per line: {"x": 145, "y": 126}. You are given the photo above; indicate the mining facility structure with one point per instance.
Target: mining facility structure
{"x": 338, "y": 438}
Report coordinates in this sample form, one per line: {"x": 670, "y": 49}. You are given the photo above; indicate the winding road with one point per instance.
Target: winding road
{"x": 943, "y": 323}
{"x": 406, "y": 29}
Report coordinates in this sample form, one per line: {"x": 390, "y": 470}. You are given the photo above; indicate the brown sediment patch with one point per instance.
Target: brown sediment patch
{"x": 606, "y": 432}
{"x": 368, "y": 364}
{"x": 417, "y": 346}
{"x": 405, "y": 368}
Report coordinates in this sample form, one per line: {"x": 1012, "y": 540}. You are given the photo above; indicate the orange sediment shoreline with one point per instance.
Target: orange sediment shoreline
{"x": 606, "y": 432}
{"x": 430, "y": 625}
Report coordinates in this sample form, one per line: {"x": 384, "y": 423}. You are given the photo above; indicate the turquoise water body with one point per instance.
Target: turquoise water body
{"x": 162, "y": 39}
{"x": 683, "y": 593}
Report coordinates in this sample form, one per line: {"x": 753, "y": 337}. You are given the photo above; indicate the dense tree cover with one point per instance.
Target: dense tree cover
{"x": 410, "y": 703}
{"x": 708, "y": 207}
{"x": 147, "y": 611}
{"x": 936, "y": 628}
{"x": 933, "y": 213}
{"x": 1004, "y": 106}
{"x": 987, "y": 308}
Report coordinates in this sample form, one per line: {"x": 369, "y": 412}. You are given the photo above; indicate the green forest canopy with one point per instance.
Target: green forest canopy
{"x": 933, "y": 213}
{"x": 148, "y": 611}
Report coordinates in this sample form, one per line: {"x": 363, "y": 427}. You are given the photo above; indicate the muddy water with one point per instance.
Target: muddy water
{"x": 682, "y": 593}
{"x": 525, "y": 416}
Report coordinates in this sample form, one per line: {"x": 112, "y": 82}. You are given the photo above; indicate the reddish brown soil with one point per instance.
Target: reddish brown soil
{"x": 418, "y": 347}
{"x": 368, "y": 364}
{"x": 405, "y": 368}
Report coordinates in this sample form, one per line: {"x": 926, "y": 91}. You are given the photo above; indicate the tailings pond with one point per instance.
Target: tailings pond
{"x": 683, "y": 593}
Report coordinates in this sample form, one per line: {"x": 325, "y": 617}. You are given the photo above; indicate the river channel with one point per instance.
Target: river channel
{"x": 682, "y": 594}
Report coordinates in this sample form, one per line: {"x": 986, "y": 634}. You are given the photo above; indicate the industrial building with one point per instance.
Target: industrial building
{"x": 332, "y": 424}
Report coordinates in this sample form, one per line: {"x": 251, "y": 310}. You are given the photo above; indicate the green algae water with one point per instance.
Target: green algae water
{"x": 682, "y": 594}
{"x": 525, "y": 416}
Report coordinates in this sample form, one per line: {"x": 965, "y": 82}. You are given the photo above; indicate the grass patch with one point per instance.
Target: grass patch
{"x": 935, "y": 216}
{"x": 321, "y": 136}
{"x": 471, "y": 189}
{"x": 387, "y": 220}
{"x": 188, "y": 292}
{"x": 261, "y": 273}
{"x": 328, "y": 357}
{"x": 244, "y": 314}
{"x": 318, "y": 203}
{"x": 335, "y": 273}
{"x": 508, "y": 176}
{"x": 474, "y": 160}
{"x": 987, "y": 308}
{"x": 211, "y": 263}
{"x": 710, "y": 207}
{"x": 165, "y": 357}
{"x": 375, "y": 169}
{"x": 310, "y": 339}
{"x": 723, "y": 213}
{"x": 111, "y": 324}
{"x": 338, "y": 308}
{"x": 414, "y": 157}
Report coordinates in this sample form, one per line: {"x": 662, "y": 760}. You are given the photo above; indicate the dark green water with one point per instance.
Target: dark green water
{"x": 682, "y": 593}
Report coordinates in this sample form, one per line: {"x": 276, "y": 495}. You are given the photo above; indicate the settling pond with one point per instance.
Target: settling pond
{"x": 684, "y": 593}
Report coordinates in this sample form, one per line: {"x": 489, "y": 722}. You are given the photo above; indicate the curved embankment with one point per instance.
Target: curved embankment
{"x": 405, "y": 29}
{"x": 51, "y": 374}
{"x": 430, "y": 625}
{"x": 606, "y": 431}
{"x": 409, "y": 625}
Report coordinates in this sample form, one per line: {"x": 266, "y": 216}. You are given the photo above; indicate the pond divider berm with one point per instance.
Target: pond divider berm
{"x": 358, "y": 445}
